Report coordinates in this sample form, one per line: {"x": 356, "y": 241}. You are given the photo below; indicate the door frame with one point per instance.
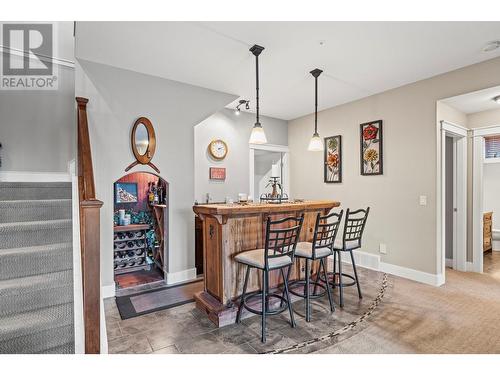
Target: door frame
{"x": 460, "y": 136}
{"x": 267, "y": 147}
{"x": 478, "y": 135}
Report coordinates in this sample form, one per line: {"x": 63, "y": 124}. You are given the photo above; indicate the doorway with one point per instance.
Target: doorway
{"x": 268, "y": 162}
{"x": 140, "y": 225}
{"x": 453, "y": 211}
{"x": 485, "y": 200}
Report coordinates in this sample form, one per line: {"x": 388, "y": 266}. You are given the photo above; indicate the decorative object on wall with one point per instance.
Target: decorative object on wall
{"x": 240, "y": 103}
{"x": 218, "y": 149}
{"x": 258, "y": 136}
{"x": 333, "y": 159}
{"x": 125, "y": 192}
{"x": 371, "y": 148}
{"x": 217, "y": 173}
{"x": 315, "y": 144}
{"x": 143, "y": 141}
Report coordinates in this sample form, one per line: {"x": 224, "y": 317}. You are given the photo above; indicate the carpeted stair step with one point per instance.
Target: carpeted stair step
{"x": 37, "y": 330}
{"x": 35, "y": 260}
{"x": 34, "y": 190}
{"x": 34, "y": 210}
{"x": 35, "y": 292}
{"x": 33, "y": 233}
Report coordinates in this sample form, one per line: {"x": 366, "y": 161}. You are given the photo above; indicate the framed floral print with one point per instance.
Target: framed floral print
{"x": 372, "y": 162}
{"x": 333, "y": 159}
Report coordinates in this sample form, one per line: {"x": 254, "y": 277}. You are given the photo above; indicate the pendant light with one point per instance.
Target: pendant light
{"x": 316, "y": 144}
{"x": 258, "y": 136}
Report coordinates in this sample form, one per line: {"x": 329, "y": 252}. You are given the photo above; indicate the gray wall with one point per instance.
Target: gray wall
{"x": 38, "y": 128}
{"x": 235, "y": 131}
{"x": 117, "y": 98}
{"x": 410, "y": 156}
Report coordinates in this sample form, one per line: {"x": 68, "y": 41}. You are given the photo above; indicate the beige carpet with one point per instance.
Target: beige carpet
{"x": 463, "y": 316}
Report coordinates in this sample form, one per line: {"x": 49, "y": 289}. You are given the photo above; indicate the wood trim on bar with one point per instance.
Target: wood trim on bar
{"x": 89, "y": 234}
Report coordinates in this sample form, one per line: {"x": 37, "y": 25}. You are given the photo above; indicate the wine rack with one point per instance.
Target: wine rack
{"x": 130, "y": 249}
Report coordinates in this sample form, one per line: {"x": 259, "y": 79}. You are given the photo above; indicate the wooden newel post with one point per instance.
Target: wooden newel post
{"x": 89, "y": 234}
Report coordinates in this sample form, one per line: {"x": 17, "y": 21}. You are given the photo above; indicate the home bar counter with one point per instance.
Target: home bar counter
{"x": 229, "y": 229}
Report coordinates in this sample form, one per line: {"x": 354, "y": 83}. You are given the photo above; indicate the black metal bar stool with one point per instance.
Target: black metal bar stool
{"x": 281, "y": 240}
{"x": 319, "y": 249}
{"x": 354, "y": 226}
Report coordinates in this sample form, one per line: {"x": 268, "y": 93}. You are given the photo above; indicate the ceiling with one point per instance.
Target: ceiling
{"x": 359, "y": 59}
{"x": 476, "y": 101}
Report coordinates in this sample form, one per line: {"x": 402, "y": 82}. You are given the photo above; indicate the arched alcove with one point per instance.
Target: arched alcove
{"x": 140, "y": 223}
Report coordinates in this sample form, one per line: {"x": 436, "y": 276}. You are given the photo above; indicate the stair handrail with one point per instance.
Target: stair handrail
{"x": 89, "y": 234}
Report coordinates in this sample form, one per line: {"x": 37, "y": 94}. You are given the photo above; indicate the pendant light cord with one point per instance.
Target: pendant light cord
{"x": 316, "y": 105}
{"x": 257, "y": 86}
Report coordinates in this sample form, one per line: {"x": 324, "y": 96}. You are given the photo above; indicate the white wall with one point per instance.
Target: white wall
{"x": 484, "y": 118}
{"x": 38, "y": 127}
{"x": 117, "y": 98}
{"x": 410, "y": 157}
{"x": 235, "y": 131}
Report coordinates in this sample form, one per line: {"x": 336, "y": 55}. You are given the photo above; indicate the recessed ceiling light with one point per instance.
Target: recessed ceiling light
{"x": 491, "y": 46}
{"x": 496, "y": 99}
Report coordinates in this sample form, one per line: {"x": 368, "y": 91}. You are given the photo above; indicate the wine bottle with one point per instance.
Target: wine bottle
{"x": 155, "y": 197}
{"x": 151, "y": 196}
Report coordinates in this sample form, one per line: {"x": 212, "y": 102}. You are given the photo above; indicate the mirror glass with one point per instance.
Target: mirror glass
{"x": 141, "y": 139}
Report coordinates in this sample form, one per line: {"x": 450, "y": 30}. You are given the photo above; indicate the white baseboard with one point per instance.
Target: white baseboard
{"x": 469, "y": 267}
{"x": 415, "y": 275}
{"x": 362, "y": 259}
{"x": 181, "y": 276}
{"x": 449, "y": 263}
{"x": 15, "y": 176}
{"x": 108, "y": 291}
{"x": 496, "y": 245}
{"x": 372, "y": 261}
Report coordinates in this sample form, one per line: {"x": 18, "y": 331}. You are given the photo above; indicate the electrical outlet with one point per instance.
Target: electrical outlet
{"x": 382, "y": 248}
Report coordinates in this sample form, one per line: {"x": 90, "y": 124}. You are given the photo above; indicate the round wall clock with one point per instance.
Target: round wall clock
{"x": 217, "y": 149}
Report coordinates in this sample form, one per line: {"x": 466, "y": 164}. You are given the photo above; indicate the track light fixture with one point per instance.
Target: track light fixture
{"x": 240, "y": 103}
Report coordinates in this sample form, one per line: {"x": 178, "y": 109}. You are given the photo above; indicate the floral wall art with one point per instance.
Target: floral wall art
{"x": 372, "y": 162}
{"x": 333, "y": 159}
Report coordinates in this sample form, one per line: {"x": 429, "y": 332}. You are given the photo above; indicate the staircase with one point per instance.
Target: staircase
{"x": 36, "y": 268}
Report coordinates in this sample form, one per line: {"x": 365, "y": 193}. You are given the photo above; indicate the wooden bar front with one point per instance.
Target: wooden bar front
{"x": 229, "y": 229}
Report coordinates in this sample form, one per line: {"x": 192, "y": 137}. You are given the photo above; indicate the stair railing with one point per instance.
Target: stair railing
{"x": 89, "y": 234}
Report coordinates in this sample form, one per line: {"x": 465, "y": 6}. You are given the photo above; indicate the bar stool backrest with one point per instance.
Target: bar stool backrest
{"x": 326, "y": 230}
{"x": 354, "y": 226}
{"x": 282, "y": 237}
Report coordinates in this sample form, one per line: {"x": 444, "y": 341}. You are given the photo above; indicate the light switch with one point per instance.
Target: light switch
{"x": 423, "y": 200}
{"x": 383, "y": 248}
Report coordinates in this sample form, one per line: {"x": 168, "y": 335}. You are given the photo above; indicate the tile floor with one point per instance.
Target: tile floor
{"x": 185, "y": 329}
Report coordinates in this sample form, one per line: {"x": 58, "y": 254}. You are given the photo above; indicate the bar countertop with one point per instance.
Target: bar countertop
{"x": 237, "y": 208}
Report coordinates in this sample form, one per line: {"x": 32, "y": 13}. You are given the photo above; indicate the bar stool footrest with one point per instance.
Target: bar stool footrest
{"x": 303, "y": 283}
{"x": 332, "y": 277}
{"x": 283, "y": 303}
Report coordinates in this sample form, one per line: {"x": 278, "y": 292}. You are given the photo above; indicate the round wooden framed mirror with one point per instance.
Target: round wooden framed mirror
{"x": 143, "y": 142}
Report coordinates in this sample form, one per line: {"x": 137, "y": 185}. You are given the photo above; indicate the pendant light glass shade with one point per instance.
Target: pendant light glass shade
{"x": 315, "y": 144}
{"x": 258, "y": 136}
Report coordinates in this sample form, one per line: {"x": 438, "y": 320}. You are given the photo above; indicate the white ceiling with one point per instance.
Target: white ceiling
{"x": 358, "y": 58}
{"x": 476, "y": 101}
